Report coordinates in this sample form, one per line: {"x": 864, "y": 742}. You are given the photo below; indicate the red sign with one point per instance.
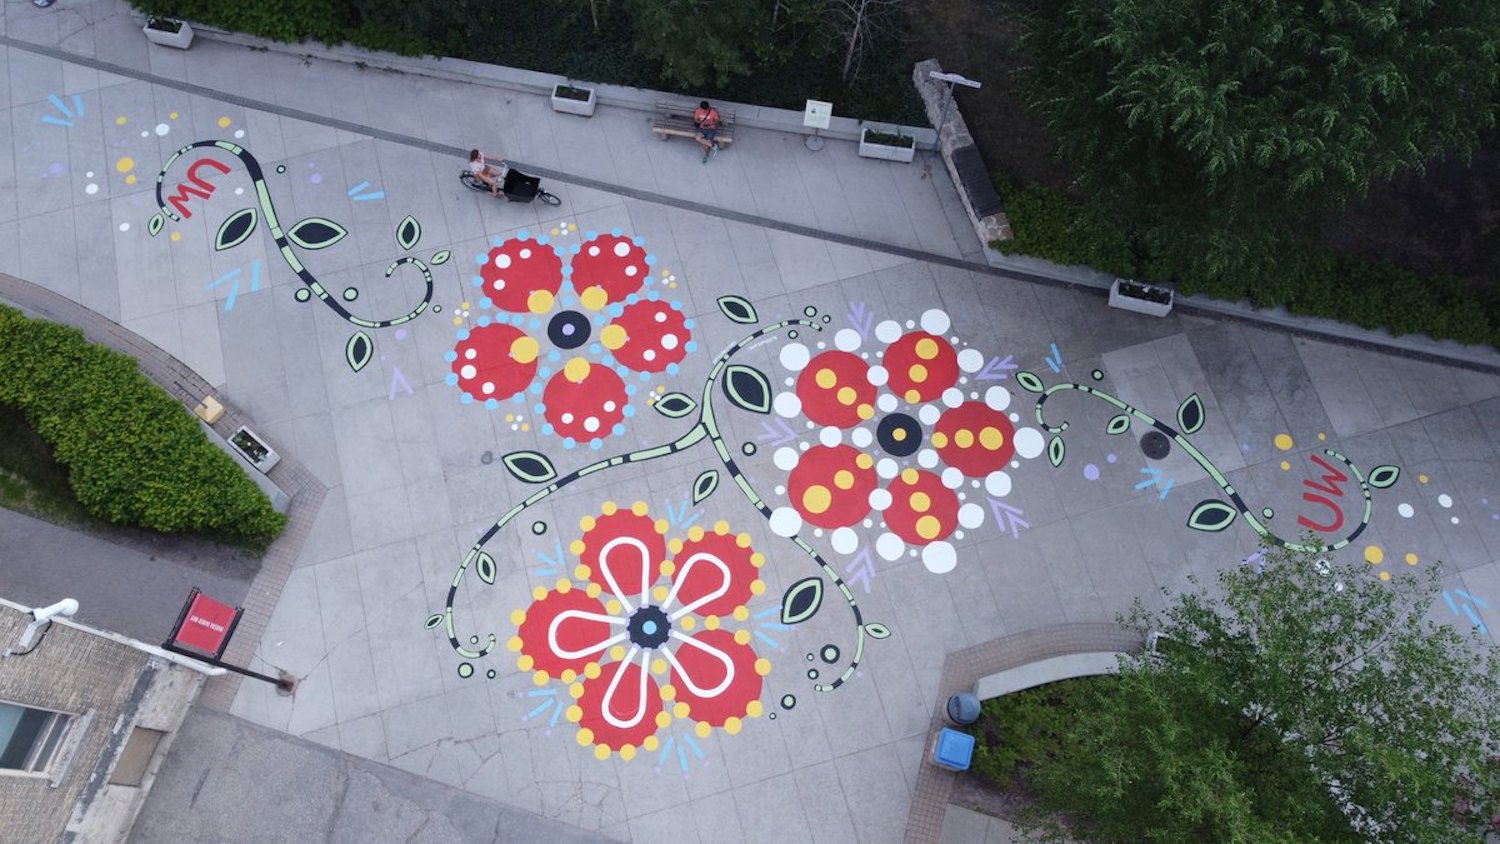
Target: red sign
{"x": 206, "y": 625}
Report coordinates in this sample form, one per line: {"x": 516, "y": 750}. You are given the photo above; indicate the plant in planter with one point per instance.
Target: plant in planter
{"x": 887, "y": 146}
{"x": 1140, "y": 297}
{"x": 572, "y": 99}
{"x": 168, "y": 32}
{"x": 248, "y": 443}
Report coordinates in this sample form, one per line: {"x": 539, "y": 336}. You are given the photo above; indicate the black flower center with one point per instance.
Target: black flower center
{"x": 649, "y": 627}
{"x": 899, "y": 435}
{"x": 568, "y": 330}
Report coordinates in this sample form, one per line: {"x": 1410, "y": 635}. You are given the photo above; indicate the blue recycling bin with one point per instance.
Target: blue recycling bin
{"x": 953, "y": 750}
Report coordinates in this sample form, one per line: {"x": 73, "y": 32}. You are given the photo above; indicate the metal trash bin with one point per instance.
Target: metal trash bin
{"x": 963, "y": 709}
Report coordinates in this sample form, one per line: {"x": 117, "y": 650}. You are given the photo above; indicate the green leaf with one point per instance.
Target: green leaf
{"x": 705, "y": 485}
{"x": 155, "y": 224}
{"x": 359, "y": 350}
{"x": 1029, "y": 382}
{"x": 234, "y": 230}
{"x": 408, "y": 232}
{"x": 484, "y": 566}
{"x": 434, "y": 620}
{"x": 1212, "y": 516}
{"x": 876, "y": 630}
{"x": 1382, "y": 477}
{"x": 1118, "y": 424}
{"x": 675, "y": 405}
{"x": 738, "y": 309}
{"x": 441, "y": 258}
{"x": 529, "y": 466}
{"x": 1056, "y": 450}
{"x": 748, "y": 388}
{"x": 1190, "y": 414}
{"x": 316, "y": 233}
{"x": 802, "y": 600}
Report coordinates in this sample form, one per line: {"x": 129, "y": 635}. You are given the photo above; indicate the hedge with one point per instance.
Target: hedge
{"x": 134, "y": 455}
{"x": 1306, "y": 278}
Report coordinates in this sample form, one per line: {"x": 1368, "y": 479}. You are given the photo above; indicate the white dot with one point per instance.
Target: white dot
{"x": 879, "y": 500}
{"x": 487, "y": 387}
{"x": 124, "y": 227}
{"x": 632, "y": 271}
{"x": 622, "y": 249}
{"x": 524, "y": 254}
{"x": 609, "y": 406}
{"x": 830, "y": 436}
{"x": 1405, "y": 510}
{"x": 998, "y": 398}
{"x": 498, "y": 284}
{"x": 786, "y": 459}
{"x": 567, "y": 418}
{"x": 145, "y": 134}
{"x": 845, "y": 540}
{"x": 952, "y": 478}
{"x": 502, "y": 261}
{"x": 794, "y": 356}
{"x": 997, "y": 484}
{"x": 91, "y": 189}
{"x": 239, "y": 133}
{"x": 593, "y": 251}
{"x": 939, "y": 557}
{"x": 953, "y": 397}
{"x": 889, "y": 546}
{"x": 861, "y": 438}
{"x": 162, "y": 129}
{"x": 887, "y": 468}
{"x": 927, "y": 458}
{"x": 89, "y": 174}
{"x": 591, "y": 424}
{"x": 661, "y": 316}
{"x": 649, "y": 354}
{"x": 935, "y": 322}
{"x": 1029, "y": 442}
{"x": 887, "y": 331}
{"x": 929, "y": 414}
{"x": 971, "y": 516}
{"x": 239, "y": 191}
{"x": 468, "y": 371}
{"x": 785, "y": 521}
{"x": 877, "y": 376}
{"x": 971, "y": 360}
{"x": 787, "y": 405}
{"x": 886, "y": 402}
{"x": 847, "y": 339}
{"x": 1454, "y": 520}
{"x": 470, "y": 353}
{"x": 1445, "y": 500}
{"x": 669, "y": 341}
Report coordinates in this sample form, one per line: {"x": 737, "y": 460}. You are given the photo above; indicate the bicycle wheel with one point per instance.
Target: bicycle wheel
{"x": 471, "y": 181}
{"x": 550, "y": 199}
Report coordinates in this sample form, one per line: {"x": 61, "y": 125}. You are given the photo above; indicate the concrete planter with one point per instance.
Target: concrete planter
{"x": 158, "y": 32}
{"x": 879, "y": 148}
{"x": 250, "y": 446}
{"x": 566, "y": 100}
{"x": 1130, "y": 295}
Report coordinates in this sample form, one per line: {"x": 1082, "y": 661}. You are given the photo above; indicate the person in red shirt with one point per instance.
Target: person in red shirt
{"x": 706, "y": 119}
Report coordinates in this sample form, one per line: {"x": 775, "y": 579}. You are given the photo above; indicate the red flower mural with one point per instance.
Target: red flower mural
{"x": 642, "y": 637}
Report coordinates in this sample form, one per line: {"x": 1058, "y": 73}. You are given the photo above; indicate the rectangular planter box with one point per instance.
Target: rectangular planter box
{"x": 1140, "y": 306}
{"x": 181, "y": 39}
{"x": 885, "y": 152}
{"x": 568, "y": 105}
{"x": 254, "y": 449}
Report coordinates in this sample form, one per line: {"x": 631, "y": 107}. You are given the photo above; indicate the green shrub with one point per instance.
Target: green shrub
{"x": 1015, "y": 731}
{"x": 1050, "y": 226}
{"x": 134, "y": 455}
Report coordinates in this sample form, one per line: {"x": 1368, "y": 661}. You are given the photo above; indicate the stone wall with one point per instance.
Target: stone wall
{"x": 953, "y": 136}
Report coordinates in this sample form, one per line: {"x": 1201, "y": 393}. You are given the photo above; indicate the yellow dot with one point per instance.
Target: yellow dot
{"x": 539, "y": 593}
{"x": 742, "y": 637}
{"x": 592, "y": 671}
{"x": 627, "y": 752}
{"x": 581, "y": 573}
{"x": 120, "y": 121}
{"x": 568, "y": 676}
{"x": 721, "y": 527}
{"x": 176, "y": 236}
{"x": 575, "y": 690}
{"x": 991, "y": 438}
{"x": 173, "y": 115}
{"x": 1283, "y": 441}
{"x": 585, "y": 737}
{"x": 667, "y": 567}
{"x": 866, "y": 411}
{"x": 757, "y": 559}
{"x": 846, "y": 396}
{"x": 564, "y": 586}
{"x": 711, "y": 622}
{"x": 741, "y": 612}
{"x": 650, "y": 744}
{"x": 757, "y": 587}
{"x": 939, "y": 440}
{"x": 224, "y": 122}
{"x": 574, "y": 714}
{"x": 576, "y": 370}
{"x": 594, "y": 298}
{"x": 679, "y": 710}
{"x": 675, "y": 545}
{"x": 593, "y": 591}
{"x": 556, "y": 231}
{"x": 524, "y": 350}
{"x": 928, "y": 527}
{"x": 1374, "y": 555}
{"x": 660, "y": 593}
{"x": 577, "y": 546}
{"x": 1322, "y": 436}
{"x": 912, "y": 396}
{"x": 964, "y": 438}
{"x": 762, "y": 666}
{"x": 927, "y": 348}
{"x": 669, "y": 691}
{"x": 617, "y": 652}
{"x": 695, "y": 533}
{"x": 920, "y": 502}
{"x": 510, "y": 417}
{"x": 1385, "y": 575}
{"x": 825, "y": 378}
{"x": 817, "y": 499}
{"x": 742, "y": 540}
{"x": 658, "y": 666}
{"x": 663, "y": 719}
{"x": 518, "y": 617}
{"x": 1285, "y": 466}
{"x": 843, "y": 479}
{"x": 1422, "y": 479}
{"x": 1411, "y": 559}
{"x": 754, "y": 708}
{"x": 864, "y": 461}
{"x": 513, "y": 643}
{"x": 909, "y": 475}
{"x": 917, "y": 373}
{"x": 540, "y": 678}
{"x": 613, "y": 336}
{"x": 688, "y": 623}
{"x": 539, "y": 302}
{"x": 703, "y": 729}
{"x": 525, "y": 662}
{"x": 732, "y": 726}
{"x": 640, "y": 508}
{"x": 898, "y": 434}
{"x": 125, "y": 164}
{"x": 525, "y": 426}
{"x": 601, "y": 752}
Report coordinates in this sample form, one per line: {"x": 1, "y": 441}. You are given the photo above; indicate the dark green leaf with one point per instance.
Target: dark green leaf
{"x": 154, "y": 226}
{"x": 1383, "y": 477}
{"x": 1212, "y": 516}
{"x": 408, "y": 232}
{"x": 316, "y": 233}
{"x": 434, "y": 620}
{"x": 747, "y": 388}
{"x": 802, "y": 600}
{"x": 233, "y": 231}
{"x": 485, "y": 568}
{"x": 876, "y": 630}
{"x": 738, "y": 309}
{"x": 705, "y": 485}
{"x": 675, "y": 405}
{"x": 359, "y": 350}
{"x": 1029, "y": 382}
{"x": 441, "y": 258}
{"x": 1118, "y": 424}
{"x": 529, "y": 466}
{"x": 1056, "y": 450}
{"x": 1190, "y": 414}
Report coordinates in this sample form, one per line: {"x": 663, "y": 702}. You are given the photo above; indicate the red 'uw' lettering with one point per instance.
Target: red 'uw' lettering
{"x": 1330, "y": 484}
{"x": 195, "y": 185}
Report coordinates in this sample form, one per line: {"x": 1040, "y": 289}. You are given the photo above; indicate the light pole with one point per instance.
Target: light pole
{"x": 952, "y": 79}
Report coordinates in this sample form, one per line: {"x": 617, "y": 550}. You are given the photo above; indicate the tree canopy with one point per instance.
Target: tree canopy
{"x": 1307, "y": 702}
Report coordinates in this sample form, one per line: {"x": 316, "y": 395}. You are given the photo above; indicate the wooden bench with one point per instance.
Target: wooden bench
{"x": 676, "y": 120}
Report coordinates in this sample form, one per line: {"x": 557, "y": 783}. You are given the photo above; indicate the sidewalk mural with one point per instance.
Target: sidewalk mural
{"x": 175, "y": 204}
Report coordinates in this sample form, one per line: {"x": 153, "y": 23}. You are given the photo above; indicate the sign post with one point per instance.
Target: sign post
{"x": 203, "y": 630}
{"x": 817, "y": 115}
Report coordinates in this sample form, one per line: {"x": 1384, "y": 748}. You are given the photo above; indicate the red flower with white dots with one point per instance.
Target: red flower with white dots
{"x": 570, "y": 334}
{"x": 639, "y": 638}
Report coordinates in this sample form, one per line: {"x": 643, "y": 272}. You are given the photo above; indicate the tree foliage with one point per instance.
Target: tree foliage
{"x": 699, "y": 42}
{"x": 1234, "y": 106}
{"x": 1307, "y": 702}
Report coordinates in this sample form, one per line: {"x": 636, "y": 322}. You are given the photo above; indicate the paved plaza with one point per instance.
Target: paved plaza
{"x": 656, "y": 514}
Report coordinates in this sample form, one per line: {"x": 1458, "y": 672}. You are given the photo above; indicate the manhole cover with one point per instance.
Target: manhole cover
{"x": 1155, "y": 445}
{"x": 487, "y": 458}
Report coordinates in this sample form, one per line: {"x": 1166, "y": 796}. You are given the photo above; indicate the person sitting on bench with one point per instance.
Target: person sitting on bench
{"x": 706, "y": 120}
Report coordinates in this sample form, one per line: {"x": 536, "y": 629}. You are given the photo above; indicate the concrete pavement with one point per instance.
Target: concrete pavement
{"x": 960, "y": 514}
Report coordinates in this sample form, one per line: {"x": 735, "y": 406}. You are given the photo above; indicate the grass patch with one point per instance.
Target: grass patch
{"x": 31, "y": 480}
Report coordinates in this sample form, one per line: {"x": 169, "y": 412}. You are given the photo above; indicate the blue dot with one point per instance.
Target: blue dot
{"x": 452, "y": 379}
{"x": 629, "y": 389}
{"x": 523, "y": 235}
{"x": 616, "y": 232}
{"x": 595, "y": 348}
{"x": 540, "y": 408}
{"x": 491, "y": 404}
{"x": 645, "y": 376}
{"x": 483, "y": 321}
{"x": 672, "y": 368}
{"x": 653, "y": 295}
{"x": 569, "y": 442}
{"x": 648, "y": 628}
{"x": 450, "y": 356}
{"x": 591, "y": 235}
{"x": 691, "y": 346}
{"x": 632, "y": 299}
{"x": 543, "y": 374}
{"x": 486, "y": 303}
{"x": 518, "y": 320}
{"x": 596, "y": 444}
{"x": 650, "y": 259}
{"x": 688, "y": 323}
{"x": 554, "y": 356}
{"x": 480, "y": 259}
{"x": 542, "y": 240}
{"x": 535, "y": 324}
{"x": 477, "y": 281}
{"x": 618, "y": 429}
{"x": 463, "y": 334}
{"x": 466, "y": 398}
{"x": 629, "y": 411}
